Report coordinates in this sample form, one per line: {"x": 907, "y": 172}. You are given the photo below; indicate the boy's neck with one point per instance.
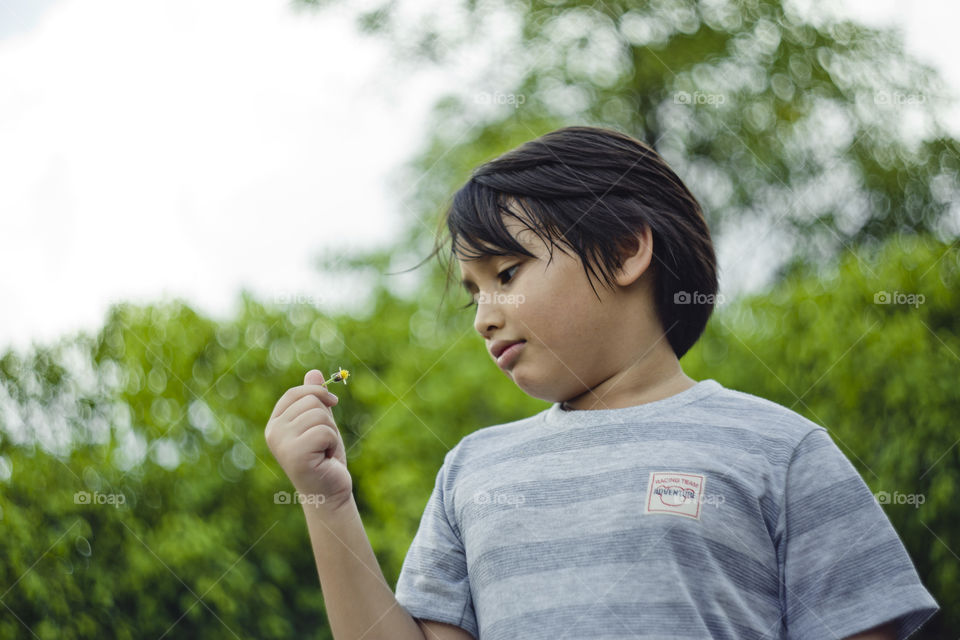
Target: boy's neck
{"x": 618, "y": 392}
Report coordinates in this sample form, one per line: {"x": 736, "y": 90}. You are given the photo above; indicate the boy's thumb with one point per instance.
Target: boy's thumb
{"x": 313, "y": 377}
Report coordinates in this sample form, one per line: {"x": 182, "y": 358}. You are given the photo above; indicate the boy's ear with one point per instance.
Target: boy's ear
{"x": 636, "y": 253}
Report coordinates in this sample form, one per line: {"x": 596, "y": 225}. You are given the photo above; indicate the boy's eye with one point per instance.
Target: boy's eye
{"x": 500, "y": 275}
{"x": 504, "y": 277}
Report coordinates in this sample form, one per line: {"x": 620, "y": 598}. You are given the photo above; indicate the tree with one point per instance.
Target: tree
{"x": 807, "y": 133}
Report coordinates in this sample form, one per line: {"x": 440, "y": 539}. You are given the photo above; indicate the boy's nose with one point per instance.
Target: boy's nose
{"x": 489, "y": 318}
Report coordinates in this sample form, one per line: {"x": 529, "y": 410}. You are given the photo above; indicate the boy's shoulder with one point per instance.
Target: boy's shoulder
{"x": 494, "y": 436}
{"x": 760, "y": 413}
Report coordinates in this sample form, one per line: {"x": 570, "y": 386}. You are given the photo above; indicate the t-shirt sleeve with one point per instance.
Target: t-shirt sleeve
{"x": 844, "y": 569}
{"x": 433, "y": 582}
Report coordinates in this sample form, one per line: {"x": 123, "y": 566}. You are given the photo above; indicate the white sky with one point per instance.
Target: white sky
{"x": 189, "y": 148}
{"x": 178, "y": 148}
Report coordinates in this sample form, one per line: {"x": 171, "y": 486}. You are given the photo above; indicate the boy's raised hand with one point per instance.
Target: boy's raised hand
{"x": 305, "y": 440}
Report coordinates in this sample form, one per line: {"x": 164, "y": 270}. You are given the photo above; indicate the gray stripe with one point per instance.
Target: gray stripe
{"x": 621, "y": 620}
{"x": 776, "y": 451}
{"x": 840, "y": 500}
{"x": 637, "y": 547}
{"x": 856, "y": 571}
{"x": 431, "y": 563}
{"x": 569, "y": 492}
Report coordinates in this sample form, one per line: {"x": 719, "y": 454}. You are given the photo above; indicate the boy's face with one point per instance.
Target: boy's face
{"x": 573, "y": 342}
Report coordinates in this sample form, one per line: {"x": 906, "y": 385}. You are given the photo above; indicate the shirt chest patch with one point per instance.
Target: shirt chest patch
{"x": 675, "y": 493}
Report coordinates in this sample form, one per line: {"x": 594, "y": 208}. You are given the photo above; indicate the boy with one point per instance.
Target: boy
{"x": 642, "y": 503}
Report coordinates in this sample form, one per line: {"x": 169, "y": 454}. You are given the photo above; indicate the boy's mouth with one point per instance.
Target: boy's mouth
{"x": 499, "y": 346}
{"x": 506, "y": 352}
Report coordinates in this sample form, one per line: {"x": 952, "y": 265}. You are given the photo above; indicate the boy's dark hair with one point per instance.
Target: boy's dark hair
{"x": 592, "y": 190}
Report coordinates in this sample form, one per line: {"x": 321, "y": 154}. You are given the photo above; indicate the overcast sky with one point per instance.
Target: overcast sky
{"x": 185, "y": 148}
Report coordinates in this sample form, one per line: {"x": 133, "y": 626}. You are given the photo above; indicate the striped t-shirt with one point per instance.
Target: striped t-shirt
{"x": 712, "y": 513}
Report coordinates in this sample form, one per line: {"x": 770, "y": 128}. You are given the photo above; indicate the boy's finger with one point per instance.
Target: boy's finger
{"x": 295, "y": 393}
{"x": 312, "y": 418}
{"x": 304, "y": 405}
{"x": 313, "y": 377}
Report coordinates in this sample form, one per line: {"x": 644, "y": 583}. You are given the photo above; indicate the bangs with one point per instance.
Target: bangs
{"x": 476, "y": 223}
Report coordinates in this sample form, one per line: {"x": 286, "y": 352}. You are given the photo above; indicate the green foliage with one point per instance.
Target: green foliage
{"x": 771, "y": 115}
{"x": 179, "y": 532}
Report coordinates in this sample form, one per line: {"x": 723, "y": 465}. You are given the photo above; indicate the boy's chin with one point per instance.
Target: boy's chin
{"x": 539, "y": 388}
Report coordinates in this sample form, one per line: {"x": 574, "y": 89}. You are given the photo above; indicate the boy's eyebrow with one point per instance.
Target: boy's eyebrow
{"x": 467, "y": 282}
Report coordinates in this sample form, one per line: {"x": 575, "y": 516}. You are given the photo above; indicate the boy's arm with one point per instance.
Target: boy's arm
{"x": 433, "y": 630}
{"x": 358, "y": 600}
{"x": 305, "y": 440}
{"x": 843, "y": 565}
